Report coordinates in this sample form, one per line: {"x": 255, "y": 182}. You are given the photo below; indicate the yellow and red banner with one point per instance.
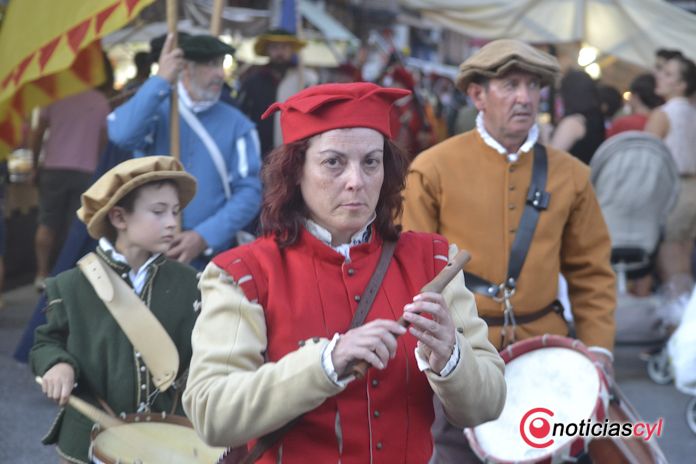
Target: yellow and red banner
{"x": 50, "y": 49}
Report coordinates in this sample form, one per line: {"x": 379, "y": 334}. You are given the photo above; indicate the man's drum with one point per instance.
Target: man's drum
{"x": 151, "y": 439}
{"x": 550, "y": 379}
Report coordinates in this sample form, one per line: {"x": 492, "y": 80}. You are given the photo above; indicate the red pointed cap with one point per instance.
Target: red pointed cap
{"x": 321, "y": 108}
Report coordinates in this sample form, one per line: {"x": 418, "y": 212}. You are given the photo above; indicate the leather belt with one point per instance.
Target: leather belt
{"x": 554, "y": 307}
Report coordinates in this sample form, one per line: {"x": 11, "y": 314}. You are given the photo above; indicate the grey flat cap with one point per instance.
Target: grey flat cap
{"x": 500, "y": 56}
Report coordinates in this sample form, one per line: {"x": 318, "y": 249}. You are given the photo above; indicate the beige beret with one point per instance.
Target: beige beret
{"x": 500, "y": 56}
{"x": 125, "y": 177}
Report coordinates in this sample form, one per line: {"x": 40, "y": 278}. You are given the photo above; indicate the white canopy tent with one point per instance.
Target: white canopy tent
{"x": 629, "y": 29}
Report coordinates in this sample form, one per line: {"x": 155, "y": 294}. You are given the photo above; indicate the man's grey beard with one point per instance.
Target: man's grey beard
{"x": 202, "y": 94}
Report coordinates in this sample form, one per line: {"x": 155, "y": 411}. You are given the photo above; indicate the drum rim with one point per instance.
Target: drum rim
{"x": 137, "y": 418}
{"x": 526, "y": 346}
{"x": 543, "y": 341}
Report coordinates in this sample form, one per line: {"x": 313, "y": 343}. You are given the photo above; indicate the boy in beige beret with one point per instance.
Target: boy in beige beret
{"x": 82, "y": 350}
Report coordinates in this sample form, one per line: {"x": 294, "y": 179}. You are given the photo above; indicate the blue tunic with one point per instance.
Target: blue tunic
{"x": 142, "y": 126}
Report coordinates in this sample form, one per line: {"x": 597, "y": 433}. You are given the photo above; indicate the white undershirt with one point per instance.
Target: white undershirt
{"x": 137, "y": 277}
{"x": 532, "y": 138}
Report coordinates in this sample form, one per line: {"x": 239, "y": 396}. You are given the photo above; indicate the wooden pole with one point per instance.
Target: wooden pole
{"x": 216, "y": 17}
{"x": 300, "y": 35}
{"x": 172, "y": 20}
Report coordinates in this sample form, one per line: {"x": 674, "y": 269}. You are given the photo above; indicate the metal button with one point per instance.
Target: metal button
{"x": 379, "y": 445}
{"x": 315, "y": 339}
{"x": 143, "y": 387}
{"x": 351, "y": 271}
{"x": 301, "y": 343}
{"x": 137, "y": 354}
{"x": 375, "y": 382}
{"x": 376, "y": 413}
{"x": 143, "y": 368}
{"x": 357, "y": 297}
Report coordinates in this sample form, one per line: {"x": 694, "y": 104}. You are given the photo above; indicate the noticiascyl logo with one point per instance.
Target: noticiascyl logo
{"x": 535, "y": 427}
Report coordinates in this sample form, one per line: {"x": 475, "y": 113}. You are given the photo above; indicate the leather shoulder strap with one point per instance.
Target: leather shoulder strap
{"x": 537, "y": 200}
{"x": 136, "y": 320}
{"x": 368, "y": 296}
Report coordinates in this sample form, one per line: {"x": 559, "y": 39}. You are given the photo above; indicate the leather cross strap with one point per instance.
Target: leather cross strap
{"x": 537, "y": 200}
{"x": 367, "y": 298}
{"x": 136, "y": 320}
{"x": 555, "y": 307}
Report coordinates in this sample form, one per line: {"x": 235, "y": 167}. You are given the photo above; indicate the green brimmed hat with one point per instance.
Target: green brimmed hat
{"x": 501, "y": 56}
{"x": 202, "y": 48}
{"x": 277, "y": 36}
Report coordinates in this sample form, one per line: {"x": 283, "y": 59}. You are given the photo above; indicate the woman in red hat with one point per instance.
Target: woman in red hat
{"x": 274, "y": 340}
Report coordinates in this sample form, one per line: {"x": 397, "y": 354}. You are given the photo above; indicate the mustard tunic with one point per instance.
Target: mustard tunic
{"x": 468, "y": 192}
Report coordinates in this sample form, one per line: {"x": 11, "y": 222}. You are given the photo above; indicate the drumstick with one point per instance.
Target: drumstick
{"x": 89, "y": 411}
{"x": 437, "y": 285}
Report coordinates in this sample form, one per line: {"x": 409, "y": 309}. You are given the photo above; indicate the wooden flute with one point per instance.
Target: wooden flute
{"x": 437, "y": 285}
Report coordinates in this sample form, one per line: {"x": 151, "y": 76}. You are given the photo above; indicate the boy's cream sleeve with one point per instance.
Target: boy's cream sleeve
{"x": 232, "y": 395}
{"x": 474, "y": 392}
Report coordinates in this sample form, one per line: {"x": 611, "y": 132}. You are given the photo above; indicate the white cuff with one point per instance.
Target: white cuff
{"x": 327, "y": 364}
{"x": 599, "y": 349}
{"x": 449, "y": 367}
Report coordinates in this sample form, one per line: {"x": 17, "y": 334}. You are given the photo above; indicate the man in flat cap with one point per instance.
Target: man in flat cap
{"x": 525, "y": 212}
{"x": 277, "y": 80}
{"x": 218, "y": 144}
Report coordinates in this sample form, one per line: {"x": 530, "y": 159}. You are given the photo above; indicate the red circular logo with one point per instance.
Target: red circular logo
{"x": 535, "y": 427}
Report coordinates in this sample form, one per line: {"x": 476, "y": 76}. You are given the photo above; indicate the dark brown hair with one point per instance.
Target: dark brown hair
{"x": 283, "y": 210}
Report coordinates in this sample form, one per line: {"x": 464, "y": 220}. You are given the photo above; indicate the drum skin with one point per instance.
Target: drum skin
{"x": 611, "y": 403}
{"x": 553, "y": 373}
{"x": 151, "y": 439}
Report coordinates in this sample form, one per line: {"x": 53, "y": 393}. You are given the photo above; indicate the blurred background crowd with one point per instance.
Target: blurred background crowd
{"x": 626, "y": 66}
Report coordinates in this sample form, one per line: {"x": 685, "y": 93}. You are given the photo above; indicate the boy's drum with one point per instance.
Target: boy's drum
{"x": 151, "y": 439}
{"x": 550, "y": 379}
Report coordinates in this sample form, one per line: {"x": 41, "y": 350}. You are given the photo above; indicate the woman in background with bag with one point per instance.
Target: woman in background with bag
{"x": 280, "y": 331}
{"x": 84, "y": 349}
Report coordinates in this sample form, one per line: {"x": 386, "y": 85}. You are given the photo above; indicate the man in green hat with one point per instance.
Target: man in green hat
{"x": 275, "y": 81}
{"x": 218, "y": 144}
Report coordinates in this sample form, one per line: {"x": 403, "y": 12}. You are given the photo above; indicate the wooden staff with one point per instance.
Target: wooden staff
{"x": 437, "y": 285}
{"x": 93, "y": 413}
{"x": 299, "y": 33}
{"x": 172, "y": 17}
{"x": 216, "y": 18}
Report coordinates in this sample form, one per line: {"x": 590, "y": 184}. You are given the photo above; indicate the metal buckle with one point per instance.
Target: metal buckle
{"x": 507, "y": 333}
{"x": 503, "y": 292}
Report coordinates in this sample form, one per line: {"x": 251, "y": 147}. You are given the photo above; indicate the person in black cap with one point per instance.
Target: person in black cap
{"x": 218, "y": 144}
{"x": 275, "y": 81}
